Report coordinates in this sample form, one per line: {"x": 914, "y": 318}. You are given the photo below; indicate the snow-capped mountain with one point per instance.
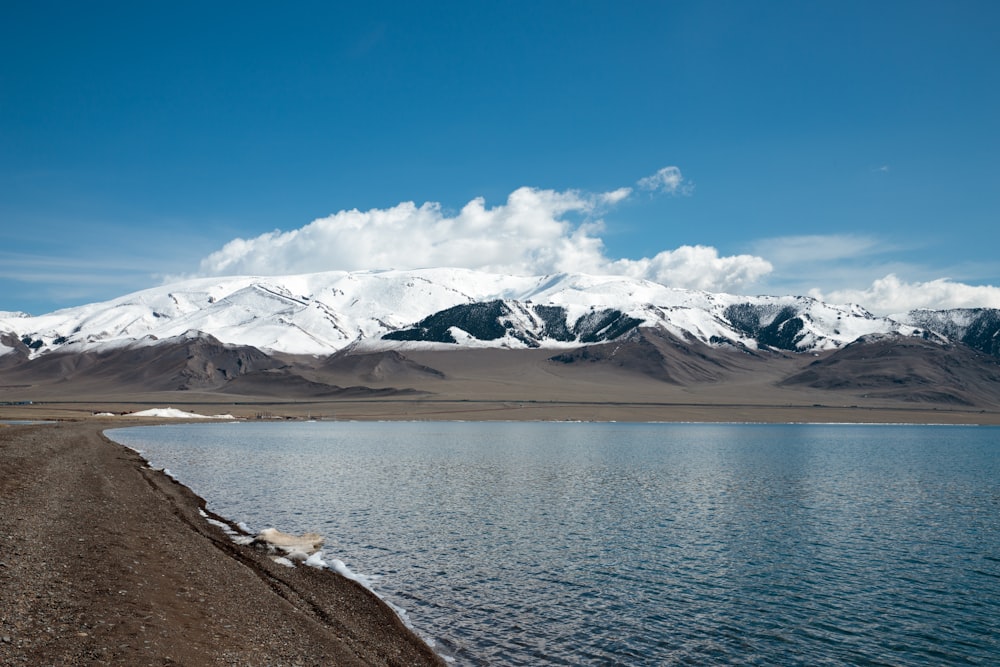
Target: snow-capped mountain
{"x": 323, "y": 313}
{"x": 979, "y": 328}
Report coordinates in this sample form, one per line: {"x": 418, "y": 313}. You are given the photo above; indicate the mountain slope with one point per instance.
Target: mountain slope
{"x": 374, "y": 334}
{"x": 190, "y": 361}
{"x": 663, "y": 357}
{"x": 377, "y": 367}
{"x": 323, "y": 313}
{"x": 911, "y": 369}
{"x": 979, "y": 328}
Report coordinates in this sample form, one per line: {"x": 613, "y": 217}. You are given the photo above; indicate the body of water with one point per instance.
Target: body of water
{"x": 636, "y": 544}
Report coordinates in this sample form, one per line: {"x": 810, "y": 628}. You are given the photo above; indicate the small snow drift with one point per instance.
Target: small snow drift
{"x": 295, "y": 547}
{"x": 174, "y": 413}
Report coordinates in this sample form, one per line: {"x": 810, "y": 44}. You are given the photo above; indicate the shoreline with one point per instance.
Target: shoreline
{"x": 104, "y": 560}
{"x": 486, "y": 409}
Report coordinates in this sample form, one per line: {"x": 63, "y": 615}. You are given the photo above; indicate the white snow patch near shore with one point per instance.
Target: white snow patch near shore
{"x": 174, "y": 413}
{"x": 368, "y": 581}
{"x": 234, "y": 535}
{"x": 304, "y": 548}
{"x": 316, "y": 560}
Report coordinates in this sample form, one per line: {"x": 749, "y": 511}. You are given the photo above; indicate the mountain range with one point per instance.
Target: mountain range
{"x": 430, "y": 332}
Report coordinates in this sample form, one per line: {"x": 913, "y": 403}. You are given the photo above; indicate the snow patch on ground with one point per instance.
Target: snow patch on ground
{"x": 303, "y": 547}
{"x": 174, "y": 413}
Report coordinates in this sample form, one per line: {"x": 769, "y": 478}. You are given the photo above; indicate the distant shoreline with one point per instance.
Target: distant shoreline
{"x": 445, "y": 409}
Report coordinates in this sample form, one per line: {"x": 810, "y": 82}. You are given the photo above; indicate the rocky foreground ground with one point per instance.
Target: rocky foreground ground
{"x": 105, "y": 561}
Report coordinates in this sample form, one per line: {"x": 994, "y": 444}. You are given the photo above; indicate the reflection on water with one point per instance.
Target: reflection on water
{"x": 637, "y": 543}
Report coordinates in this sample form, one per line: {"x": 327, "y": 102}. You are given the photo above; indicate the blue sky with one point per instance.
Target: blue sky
{"x": 842, "y": 149}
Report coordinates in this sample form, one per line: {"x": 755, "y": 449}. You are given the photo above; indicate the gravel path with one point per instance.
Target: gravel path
{"x": 104, "y": 561}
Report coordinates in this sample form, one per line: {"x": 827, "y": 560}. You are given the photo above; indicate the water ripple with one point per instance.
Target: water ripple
{"x": 627, "y": 544}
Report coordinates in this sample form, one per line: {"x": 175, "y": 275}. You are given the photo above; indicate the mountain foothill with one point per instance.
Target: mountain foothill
{"x": 460, "y": 335}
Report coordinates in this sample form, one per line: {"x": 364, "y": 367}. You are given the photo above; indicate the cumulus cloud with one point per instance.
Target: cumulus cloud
{"x": 890, "y": 295}
{"x": 538, "y": 232}
{"x": 696, "y": 267}
{"x": 530, "y": 231}
{"x": 535, "y": 232}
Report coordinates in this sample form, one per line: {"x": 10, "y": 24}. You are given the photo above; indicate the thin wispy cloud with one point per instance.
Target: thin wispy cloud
{"x": 67, "y": 281}
{"x": 808, "y": 249}
{"x": 45, "y": 269}
{"x": 668, "y": 180}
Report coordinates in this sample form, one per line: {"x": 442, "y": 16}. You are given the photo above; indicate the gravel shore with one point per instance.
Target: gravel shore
{"x": 105, "y": 561}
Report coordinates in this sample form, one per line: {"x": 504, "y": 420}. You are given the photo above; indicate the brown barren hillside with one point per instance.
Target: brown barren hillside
{"x": 647, "y": 376}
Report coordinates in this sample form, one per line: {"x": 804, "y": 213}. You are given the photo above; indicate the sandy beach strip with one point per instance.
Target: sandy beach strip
{"x": 105, "y": 561}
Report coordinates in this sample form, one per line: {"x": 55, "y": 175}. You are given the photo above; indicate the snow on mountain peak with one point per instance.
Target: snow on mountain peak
{"x": 321, "y": 313}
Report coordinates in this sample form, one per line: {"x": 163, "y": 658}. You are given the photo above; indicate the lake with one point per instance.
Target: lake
{"x": 635, "y": 544}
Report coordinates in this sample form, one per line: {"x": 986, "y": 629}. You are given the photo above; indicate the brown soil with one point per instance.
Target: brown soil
{"x": 105, "y": 561}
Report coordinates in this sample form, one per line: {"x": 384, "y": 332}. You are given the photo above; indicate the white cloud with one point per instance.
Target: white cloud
{"x": 808, "y": 249}
{"x": 529, "y": 231}
{"x": 668, "y": 180}
{"x": 842, "y": 262}
{"x": 890, "y": 295}
{"x": 696, "y": 267}
{"x": 538, "y": 232}
{"x": 535, "y": 232}
{"x": 616, "y": 196}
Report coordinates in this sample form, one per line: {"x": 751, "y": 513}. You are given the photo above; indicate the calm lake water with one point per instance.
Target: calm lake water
{"x": 636, "y": 544}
